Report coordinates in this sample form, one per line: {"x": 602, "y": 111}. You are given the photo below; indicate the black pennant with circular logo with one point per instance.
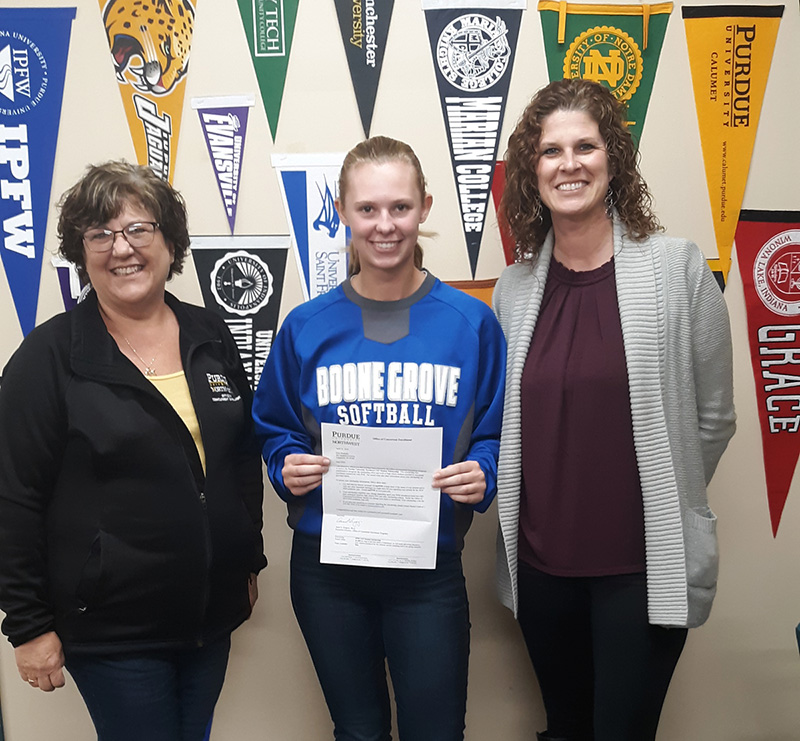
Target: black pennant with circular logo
{"x": 473, "y": 47}
{"x": 241, "y": 279}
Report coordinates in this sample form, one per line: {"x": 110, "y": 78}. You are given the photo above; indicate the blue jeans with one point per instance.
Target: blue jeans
{"x": 153, "y": 695}
{"x": 355, "y": 618}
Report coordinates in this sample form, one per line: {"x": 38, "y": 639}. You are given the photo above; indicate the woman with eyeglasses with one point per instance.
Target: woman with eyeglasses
{"x": 130, "y": 484}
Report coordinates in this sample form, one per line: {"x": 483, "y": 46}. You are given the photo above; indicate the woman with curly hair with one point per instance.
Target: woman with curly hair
{"x": 618, "y": 406}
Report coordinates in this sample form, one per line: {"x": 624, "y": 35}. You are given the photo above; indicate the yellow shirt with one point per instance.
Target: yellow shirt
{"x": 175, "y": 390}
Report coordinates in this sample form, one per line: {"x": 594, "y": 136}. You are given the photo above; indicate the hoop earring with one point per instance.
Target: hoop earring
{"x": 610, "y": 202}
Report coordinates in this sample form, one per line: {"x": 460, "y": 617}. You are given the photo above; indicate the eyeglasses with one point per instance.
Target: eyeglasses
{"x": 139, "y": 234}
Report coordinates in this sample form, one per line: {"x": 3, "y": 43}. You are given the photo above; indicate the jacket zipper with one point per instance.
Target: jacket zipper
{"x": 203, "y": 504}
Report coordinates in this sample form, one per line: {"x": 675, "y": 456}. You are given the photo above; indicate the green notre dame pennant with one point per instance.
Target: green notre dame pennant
{"x": 615, "y": 45}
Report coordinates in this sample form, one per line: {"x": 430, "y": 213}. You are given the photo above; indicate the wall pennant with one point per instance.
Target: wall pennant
{"x": 241, "y": 279}
{"x": 34, "y": 45}
{"x": 224, "y": 124}
{"x": 365, "y": 27}
{"x": 269, "y": 27}
{"x": 615, "y": 45}
{"x": 768, "y": 250}
{"x": 150, "y": 47}
{"x": 72, "y": 291}
{"x": 479, "y": 289}
{"x": 309, "y": 186}
{"x": 730, "y": 53}
{"x": 498, "y": 186}
{"x": 473, "y": 46}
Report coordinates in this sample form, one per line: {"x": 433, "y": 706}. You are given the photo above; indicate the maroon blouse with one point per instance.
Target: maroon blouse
{"x": 581, "y": 508}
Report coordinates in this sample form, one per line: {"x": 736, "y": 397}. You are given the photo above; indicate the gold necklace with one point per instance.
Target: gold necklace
{"x": 149, "y": 369}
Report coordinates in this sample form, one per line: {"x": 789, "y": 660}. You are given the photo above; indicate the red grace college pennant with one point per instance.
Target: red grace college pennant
{"x": 768, "y": 248}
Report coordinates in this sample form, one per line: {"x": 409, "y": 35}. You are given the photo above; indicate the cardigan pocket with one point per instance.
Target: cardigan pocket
{"x": 702, "y": 552}
{"x": 702, "y": 564}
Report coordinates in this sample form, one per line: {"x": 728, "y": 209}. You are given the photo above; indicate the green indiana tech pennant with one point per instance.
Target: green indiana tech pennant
{"x": 269, "y": 27}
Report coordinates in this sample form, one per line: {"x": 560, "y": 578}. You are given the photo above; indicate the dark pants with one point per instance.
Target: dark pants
{"x": 355, "y": 618}
{"x": 153, "y": 695}
{"x": 602, "y": 668}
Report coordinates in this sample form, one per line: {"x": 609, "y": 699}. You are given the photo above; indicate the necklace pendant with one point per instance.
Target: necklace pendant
{"x": 149, "y": 370}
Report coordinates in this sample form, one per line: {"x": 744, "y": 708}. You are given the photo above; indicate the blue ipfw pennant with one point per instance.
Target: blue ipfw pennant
{"x": 34, "y": 43}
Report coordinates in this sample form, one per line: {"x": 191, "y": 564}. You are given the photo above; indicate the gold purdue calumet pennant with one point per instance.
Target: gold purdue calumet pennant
{"x": 730, "y": 53}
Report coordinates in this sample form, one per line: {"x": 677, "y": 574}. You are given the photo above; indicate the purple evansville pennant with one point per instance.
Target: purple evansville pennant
{"x": 224, "y": 124}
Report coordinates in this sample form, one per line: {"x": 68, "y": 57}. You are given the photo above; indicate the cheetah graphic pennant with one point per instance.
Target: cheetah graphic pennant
{"x": 241, "y": 279}
{"x": 473, "y": 45}
{"x": 615, "y": 45}
{"x": 269, "y": 27}
{"x": 365, "y": 27}
{"x": 34, "y": 45}
{"x": 730, "y": 53}
{"x": 768, "y": 250}
{"x": 150, "y": 43}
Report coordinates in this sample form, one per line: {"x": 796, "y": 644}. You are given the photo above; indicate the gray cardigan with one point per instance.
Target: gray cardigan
{"x": 677, "y": 342}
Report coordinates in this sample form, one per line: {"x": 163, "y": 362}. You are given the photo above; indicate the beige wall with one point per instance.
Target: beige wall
{"x": 740, "y": 675}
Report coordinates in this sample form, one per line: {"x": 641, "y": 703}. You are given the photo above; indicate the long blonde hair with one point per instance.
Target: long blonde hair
{"x": 380, "y": 150}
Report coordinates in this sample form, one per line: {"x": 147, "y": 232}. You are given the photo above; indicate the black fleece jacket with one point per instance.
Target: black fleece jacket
{"x": 110, "y": 532}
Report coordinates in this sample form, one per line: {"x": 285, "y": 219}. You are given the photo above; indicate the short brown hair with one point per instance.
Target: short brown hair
{"x": 101, "y": 195}
{"x": 518, "y": 209}
{"x": 380, "y": 150}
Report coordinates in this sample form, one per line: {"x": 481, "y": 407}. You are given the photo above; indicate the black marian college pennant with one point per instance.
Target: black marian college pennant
{"x": 473, "y": 46}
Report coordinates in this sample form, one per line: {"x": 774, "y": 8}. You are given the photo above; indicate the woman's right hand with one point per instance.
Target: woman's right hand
{"x": 40, "y": 662}
{"x": 303, "y": 472}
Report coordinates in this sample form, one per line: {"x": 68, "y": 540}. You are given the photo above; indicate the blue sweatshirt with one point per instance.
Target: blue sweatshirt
{"x": 433, "y": 359}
